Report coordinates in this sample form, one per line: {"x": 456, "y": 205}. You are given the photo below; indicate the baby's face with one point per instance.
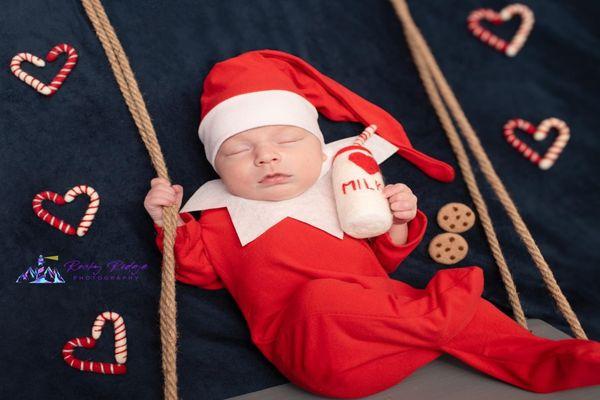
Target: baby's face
{"x": 245, "y": 159}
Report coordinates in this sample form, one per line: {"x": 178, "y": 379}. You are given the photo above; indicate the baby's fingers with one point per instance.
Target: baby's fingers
{"x": 166, "y": 190}
{"x": 405, "y": 214}
{"x": 178, "y": 190}
{"x": 161, "y": 199}
{"x": 159, "y": 181}
{"x": 402, "y": 206}
{"x": 403, "y": 197}
{"x": 393, "y": 189}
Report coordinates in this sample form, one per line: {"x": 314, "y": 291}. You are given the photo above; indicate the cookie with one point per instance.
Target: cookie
{"x": 456, "y": 217}
{"x": 448, "y": 248}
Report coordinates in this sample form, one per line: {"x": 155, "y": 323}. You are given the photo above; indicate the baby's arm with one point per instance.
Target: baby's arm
{"x": 192, "y": 265}
{"x": 191, "y": 262}
{"x": 407, "y": 230}
{"x": 390, "y": 254}
{"x": 403, "y": 205}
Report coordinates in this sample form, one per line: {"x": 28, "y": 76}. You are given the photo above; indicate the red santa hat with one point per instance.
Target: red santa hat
{"x": 270, "y": 87}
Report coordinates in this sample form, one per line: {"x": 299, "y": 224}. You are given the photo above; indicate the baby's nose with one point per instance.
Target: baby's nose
{"x": 266, "y": 156}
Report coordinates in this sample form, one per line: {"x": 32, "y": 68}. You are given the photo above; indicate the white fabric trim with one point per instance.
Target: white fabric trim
{"x": 251, "y": 110}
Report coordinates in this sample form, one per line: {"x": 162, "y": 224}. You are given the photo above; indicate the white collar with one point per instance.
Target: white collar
{"x": 251, "y": 218}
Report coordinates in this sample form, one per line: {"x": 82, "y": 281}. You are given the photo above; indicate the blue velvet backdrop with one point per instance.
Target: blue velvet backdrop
{"x": 85, "y": 135}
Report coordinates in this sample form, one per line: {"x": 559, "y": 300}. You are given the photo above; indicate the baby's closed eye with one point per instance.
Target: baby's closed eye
{"x": 291, "y": 137}
{"x": 236, "y": 150}
{"x": 291, "y": 140}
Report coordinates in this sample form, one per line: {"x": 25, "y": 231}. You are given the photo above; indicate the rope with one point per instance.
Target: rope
{"x": 439, "y": 91}
{"x": 133, "y": 97}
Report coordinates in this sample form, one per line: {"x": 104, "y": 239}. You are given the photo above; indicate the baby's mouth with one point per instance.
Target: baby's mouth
{"x": 274, "y": 178}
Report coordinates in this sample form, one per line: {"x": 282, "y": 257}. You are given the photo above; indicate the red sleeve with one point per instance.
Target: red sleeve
{"x": 191, "y": 263}
{"x": 390, "y": 255}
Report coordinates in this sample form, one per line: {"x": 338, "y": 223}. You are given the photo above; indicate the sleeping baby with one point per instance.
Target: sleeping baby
{"x": 320, "y": 304}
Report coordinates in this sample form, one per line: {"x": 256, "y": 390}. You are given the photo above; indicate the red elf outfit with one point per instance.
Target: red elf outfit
{"x": 320, "y": 304}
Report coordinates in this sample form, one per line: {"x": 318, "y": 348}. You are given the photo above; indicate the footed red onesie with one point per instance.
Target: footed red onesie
{"x": 325, "y": 312}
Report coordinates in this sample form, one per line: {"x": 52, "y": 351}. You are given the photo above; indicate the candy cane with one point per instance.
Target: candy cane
{"x": 365, "y": 135}
{"x": 46, "y": 216}
{"x": 483, "y": 34}
{"x": 523, "y": 148}
{"x": 97, "y": 367}
{"x": 90, "y": 212}
{"x": 120, "y": 334}
{"x": 15, "y": 67}
{"x": 559, "y": 144}
{"x": 523, "y": 32}
{"x": 66, "y": 69}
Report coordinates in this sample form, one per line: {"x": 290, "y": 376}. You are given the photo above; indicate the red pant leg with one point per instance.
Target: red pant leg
{"x": 497, "y": 345}
{"x": 345, "y": 340}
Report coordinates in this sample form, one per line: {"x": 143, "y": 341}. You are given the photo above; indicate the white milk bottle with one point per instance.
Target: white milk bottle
{"x": 363, "y": 210}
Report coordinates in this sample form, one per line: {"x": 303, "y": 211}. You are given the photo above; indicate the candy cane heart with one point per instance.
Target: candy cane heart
{"x": 117, "y": 368}
{"x": 509, "y": 48}
{"x": 539, "y": 133}
{"x": 59, "y": 78}
{"x": 58, "y": 223}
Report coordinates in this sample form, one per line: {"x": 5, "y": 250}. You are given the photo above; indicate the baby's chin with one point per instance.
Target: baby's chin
{"x": 281, "y": 197}
{"x": 273, "y": 193}
{"x": 276, "y": 195}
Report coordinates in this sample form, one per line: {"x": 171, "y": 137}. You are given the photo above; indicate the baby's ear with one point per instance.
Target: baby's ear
{"x": 324, "y": 156}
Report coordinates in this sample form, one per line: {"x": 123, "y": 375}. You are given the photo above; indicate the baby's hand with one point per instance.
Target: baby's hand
{"x": 162, "y": 194}
{"x": 403, "y": 202}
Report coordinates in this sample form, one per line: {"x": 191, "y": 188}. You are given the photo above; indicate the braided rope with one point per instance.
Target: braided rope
{"x": 137, "y": 107}
{"x": 438, "y": 88}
